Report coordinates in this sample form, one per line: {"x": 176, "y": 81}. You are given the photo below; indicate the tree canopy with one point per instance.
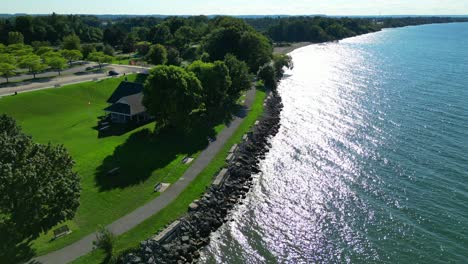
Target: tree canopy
{"x": 171, "y": 94}
{"x": 100, "y": 58}
{"x": 215, "y": 81}
{"x": 157, "y": 55}
{"x": 38, "y": 187}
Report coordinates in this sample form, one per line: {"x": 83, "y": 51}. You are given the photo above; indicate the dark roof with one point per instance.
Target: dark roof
{"x": 128, "y": 105}
{"x": 119, "y": 108}
{"x": 125, "y": 89}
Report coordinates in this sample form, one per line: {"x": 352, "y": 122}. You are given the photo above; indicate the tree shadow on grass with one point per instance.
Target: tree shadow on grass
{"x": 145, "y": 152}
{"x": 13, "y": 251}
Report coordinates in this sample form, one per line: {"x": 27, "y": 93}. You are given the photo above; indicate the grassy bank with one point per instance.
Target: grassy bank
{"x": 69, "y": 116}
{"x": 177, "y": 208}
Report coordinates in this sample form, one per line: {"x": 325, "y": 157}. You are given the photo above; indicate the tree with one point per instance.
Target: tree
{"x": 223, "y": 41}
{"x": 38, "y": 187}
{"x": 7, "y": 70}
{"x": 160, "y": 34}
{"x": 215, "y": 81}
{"x": 71, "y": 55}
{"x": 15, "y": 38}
{"x": 129, "y": 43}
{"x": 143, "y": 47}
{"x": 57, "y": 63}
{"x": 108, "y": 50}
{"x": 239, "y": 39}
{"x": 19, "y": 50}
{"x": 43, "y": 50}
{"x": 173, "y": 56}
{"x": 157, "y": 55}
{"x": 279, "y": 62}
{"x": 71, "y": 42}
{"x": 171, "y": 94}
{"x": 100, "y": 58}
{"x": 184, "y": 36}
{"x": 268, "y": 75}
{"x": 255, "y": 50}
{"x": 87, "y": 49}
{"x": 239, "y": 72}
{"x": 33, "y": 63}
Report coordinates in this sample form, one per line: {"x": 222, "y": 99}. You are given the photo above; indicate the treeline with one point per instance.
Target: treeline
{"x": 52, "y": 28}
{"x": 320, "y": 29}
{"x": 391, "y": 22}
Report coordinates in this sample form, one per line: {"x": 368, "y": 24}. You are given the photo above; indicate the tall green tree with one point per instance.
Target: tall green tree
{"x": 108, "y": 50}
{"x": 19, "y": 50}
{"x": 215, "y": 81}
{"x": 56, "y": 62}
{"x": 15, "y": 38}
{"x": 267, "y": 73}
{"x": 38, "y": 187}
{"x": 33, "y": 63}
{"x": 7, "y": 66}
{"x": 255, "y": 50}
{"x": 240, "y": 76}
{"x": 157, "y": 55}
{"x": 171, "y": 94}
{"x": 43, "y": 50}
{"x": 87, "y": 49}
{"x": 173, "y": 56}
{"x": 71, "y": 42}
{"x": 71, "y": 55}
{"x": 7, "y": 70}
{"x": 100, "y": 58}
{"x": 281, "y": 61}
{"x": 160, "y": 34}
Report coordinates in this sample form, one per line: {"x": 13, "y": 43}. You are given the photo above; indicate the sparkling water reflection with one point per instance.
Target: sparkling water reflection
{"x": 370, "y": 163}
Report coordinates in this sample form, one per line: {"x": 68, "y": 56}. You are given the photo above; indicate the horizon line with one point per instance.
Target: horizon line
{"x": 292, "y": 15}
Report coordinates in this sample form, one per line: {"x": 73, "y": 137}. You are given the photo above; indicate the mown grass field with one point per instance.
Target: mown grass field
{"x": 68, "y": 116}
{"x": 179, "y": 207}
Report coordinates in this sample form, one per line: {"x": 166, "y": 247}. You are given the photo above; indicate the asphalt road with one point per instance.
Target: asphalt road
{"x": 73, "y": 75}
{"x": 126, "y": 223}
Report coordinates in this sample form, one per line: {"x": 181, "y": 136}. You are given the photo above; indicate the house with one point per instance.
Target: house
{"x": 127, "y": 104}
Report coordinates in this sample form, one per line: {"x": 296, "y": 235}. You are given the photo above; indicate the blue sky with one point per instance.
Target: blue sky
{"x": 238, "y": 7}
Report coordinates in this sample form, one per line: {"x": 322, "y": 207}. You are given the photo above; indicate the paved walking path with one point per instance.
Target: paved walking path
{"x": 67, "y": 79}
{"x": 131, "y": 220}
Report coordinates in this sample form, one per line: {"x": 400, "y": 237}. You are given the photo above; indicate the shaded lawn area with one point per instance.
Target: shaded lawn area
{"x": 176, "y": 209}
{"x": 67, "y": 116}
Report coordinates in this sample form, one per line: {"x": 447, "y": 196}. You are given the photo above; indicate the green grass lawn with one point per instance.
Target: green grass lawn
{"x": 179, "y": 207}
{"x": 68, "y": 116}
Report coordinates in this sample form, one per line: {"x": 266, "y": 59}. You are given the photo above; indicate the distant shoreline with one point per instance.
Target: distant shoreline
{"x": 292, "y": 46}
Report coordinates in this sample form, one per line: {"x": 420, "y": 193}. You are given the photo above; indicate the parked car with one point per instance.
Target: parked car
{"x": 113, "y": 73}
{"x": 89, "y": 68}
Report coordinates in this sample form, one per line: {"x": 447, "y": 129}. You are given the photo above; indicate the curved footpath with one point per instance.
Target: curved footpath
{"x": 126, "y": 223}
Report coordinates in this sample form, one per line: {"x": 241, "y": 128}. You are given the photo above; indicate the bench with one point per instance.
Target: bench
{"x": 61, "y": 231}
{"x": 221, "y": 177}
{"x": 113, "y": 171}
{"x": 104, "y": 128}
{"x": 230, "y": 157}
{"x": 167, "y": 233}
{"x": 187, "y": 160}
{"x": 233, "y": 148}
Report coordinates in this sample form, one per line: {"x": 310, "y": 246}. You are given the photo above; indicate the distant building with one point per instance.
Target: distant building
{"x": 127, "y": 104}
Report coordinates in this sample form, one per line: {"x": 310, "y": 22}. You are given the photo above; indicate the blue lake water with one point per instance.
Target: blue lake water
{"x": 371, "y": 161}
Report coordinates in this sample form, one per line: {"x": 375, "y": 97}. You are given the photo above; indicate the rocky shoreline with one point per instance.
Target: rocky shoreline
{"x": 182, "y": 240}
